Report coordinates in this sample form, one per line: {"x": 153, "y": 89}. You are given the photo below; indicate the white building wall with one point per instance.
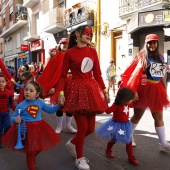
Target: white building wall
{"x": 110, "y": 14}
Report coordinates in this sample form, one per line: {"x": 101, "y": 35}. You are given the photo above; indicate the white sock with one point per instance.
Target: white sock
{"x": 133, "y": 128}
{"x": 59, "y": 121}
{"x": 161, "y": 134}
{"x": 68, "y": 120}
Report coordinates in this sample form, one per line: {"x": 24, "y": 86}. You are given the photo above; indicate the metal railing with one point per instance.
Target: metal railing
{"x": 128, "y": 6}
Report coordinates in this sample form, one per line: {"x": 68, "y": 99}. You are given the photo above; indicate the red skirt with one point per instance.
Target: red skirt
{"x": 153, "y": 96}
{"x": 39, "y": 137}
{"x": 84, "y": 96}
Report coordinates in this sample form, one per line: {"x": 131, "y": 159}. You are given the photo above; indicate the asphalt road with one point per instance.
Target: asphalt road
{"x": 59, "y": 158}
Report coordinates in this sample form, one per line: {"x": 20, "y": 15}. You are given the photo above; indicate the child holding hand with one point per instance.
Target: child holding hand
{"x": 118, "y": 129}
{"x": 39, "y": 135}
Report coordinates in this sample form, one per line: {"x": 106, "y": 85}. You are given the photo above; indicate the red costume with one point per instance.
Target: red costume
{"x": 153, "y": 89}
{"x": 51, "y": 73}
{"x": 84, "y": 92}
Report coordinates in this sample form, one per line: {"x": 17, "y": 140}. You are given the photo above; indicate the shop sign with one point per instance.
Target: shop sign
{"x": 151, "y": 18}
{"x": 24, "y": 47}
{"x": 37, "y": 45}
{"x": 22, "y": 55}
{"x": 132, "y": 25}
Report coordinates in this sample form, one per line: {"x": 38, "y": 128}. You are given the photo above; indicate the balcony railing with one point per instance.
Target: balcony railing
{"x": 127, "y": 8}
{"x": 84, "y": 12}
{"x": 53, "y": 19}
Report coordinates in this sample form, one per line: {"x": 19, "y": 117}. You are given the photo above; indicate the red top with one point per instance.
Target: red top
{"x": 120, "y": 113}
{"x": 6, "y": 100}
{"x": 83, "y": 63}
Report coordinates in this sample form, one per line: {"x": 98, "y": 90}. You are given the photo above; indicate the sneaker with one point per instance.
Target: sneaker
{"x": 1, "y": 144}
{"x": 70, "y": 129}
{"x": 165, "y": 147}
{"x": 72, "y": 148}
{"x": 58, "y": 130}
{"x": 133, "y": 161}
{"x": 133, "y": 143}
{"x": 81, "y": 163}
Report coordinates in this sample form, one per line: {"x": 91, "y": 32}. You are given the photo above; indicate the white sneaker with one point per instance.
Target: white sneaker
{"x": 164, "y": 147}
{"x": 133, "y": 143}
{"x": 72, "y": 148}
{"x": 81, "y": 163}
{"x": 70, "y": 129}
{"x": 58, "y": 130}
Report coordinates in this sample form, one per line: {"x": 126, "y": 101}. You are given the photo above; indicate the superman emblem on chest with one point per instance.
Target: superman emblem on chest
{"x": 33, "y": 110}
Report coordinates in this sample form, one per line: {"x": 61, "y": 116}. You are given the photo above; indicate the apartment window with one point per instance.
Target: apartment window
{"x": 6, "y": 46}
{"x": 11, "y": 13}
{"x": 18, "y": 40}
{"x": 37, "y": 24}
{"x": 4, "y": 21}
{"x": 1, "y": 49}
{"x": 10, "y": 44}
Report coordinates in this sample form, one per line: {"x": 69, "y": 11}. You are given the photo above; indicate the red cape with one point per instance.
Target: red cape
{"x": 133, "y": 73}
{"x": 51, "y": 73}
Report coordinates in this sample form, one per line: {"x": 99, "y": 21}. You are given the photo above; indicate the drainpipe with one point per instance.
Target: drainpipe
{"x": 98, "y": 27}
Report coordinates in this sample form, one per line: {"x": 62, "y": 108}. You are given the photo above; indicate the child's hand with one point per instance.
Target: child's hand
{"x": 18, "y": 119}
{"x": 61, "y": 100}
{"x": 107, "y": 97}
{"x": 13, "y": 81}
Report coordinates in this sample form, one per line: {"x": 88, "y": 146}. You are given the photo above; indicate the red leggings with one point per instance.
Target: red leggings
{"x": 30, "y": 157}
{"x": 85, "y": 126}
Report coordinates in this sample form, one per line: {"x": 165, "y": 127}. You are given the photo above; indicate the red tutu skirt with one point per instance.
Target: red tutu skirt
{"x": 84, "y": 96}
{"x": 153, "y": 96}
{"x": 39, "y": 137}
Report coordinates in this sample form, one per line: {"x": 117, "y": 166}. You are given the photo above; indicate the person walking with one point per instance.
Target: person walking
{"x": 49, "y": 80}
{"x": 119, "y": 128}
{"x": 63, "y": 45}
{"x": 39, "y": 136}
{"x": 85, "y": 94}
{"x": 111, "y": 74}
{"x": 146, "y": 76}
{"x": 6, "y": 102}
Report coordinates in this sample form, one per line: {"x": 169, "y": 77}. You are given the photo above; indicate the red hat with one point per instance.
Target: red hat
{"x": 50, "y": 50}
{"x": 63, "y": 40}
{"x": 151, "y": 37}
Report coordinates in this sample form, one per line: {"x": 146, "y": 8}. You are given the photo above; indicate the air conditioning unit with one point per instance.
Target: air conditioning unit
{"x": 84, "y": 14}
{"x": 72, "y": 19}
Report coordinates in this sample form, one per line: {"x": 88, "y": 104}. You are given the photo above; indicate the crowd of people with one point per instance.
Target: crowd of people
{"x": 72, "y": 79}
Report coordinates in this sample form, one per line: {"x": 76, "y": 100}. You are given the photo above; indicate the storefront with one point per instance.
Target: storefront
{"x": 151, "y": 22}
{"x": 37, "y": 52}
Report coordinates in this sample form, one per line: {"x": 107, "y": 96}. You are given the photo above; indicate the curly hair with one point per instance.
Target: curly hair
{"x": 124, "y": 95}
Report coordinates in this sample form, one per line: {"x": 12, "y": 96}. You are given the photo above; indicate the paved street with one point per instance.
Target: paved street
{"x": 59, "y": 158}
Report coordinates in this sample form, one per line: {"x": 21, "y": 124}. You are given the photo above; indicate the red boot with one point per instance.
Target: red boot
{"x": 131, "y": 157}
{"x": 109, "y": 149}
{"x": 109, "y": 154}
{"x": 133, "y": 161}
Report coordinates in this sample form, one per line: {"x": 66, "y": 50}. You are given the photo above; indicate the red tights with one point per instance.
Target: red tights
{"x": 85, "y": 126}
{"x": 129, "y": 148}
{"x": 30, "y": 157}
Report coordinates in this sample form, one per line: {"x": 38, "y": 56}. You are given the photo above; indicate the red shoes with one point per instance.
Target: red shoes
{"x": 109, "y": 154}
{"x": 133, "y": 161}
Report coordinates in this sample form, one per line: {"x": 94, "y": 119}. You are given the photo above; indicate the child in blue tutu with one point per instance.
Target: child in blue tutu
{"x": 118, "y": 129}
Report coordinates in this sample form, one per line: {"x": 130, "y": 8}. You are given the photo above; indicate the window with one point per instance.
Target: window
{"x": 10, "y": 44}
{"x": 11, "y": 13}
{"x": 4, "y": 20}
{"x": 18, "y": 40}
